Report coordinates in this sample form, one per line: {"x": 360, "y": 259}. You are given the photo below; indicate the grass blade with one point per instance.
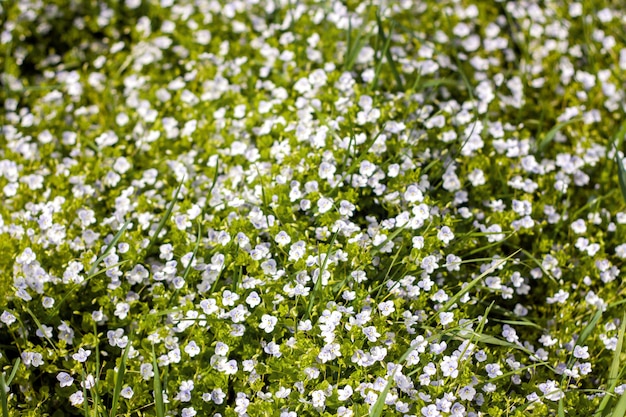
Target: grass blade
{"x": 614, "y": 370}
{"x": 94, "y": 392}
{"x": 4, "y": 383}
{"x": 158, "y": 390}
{"x": 3, "y": 396}
{"x": 549, "y": 137}
{"x": 584, "y": 335}
{"x": 387, "y": 53}
{"x": 16, "y": 365}
{"x": 318, "y": 283}
{"x": 85, "y": 406}
{"x": 168, "y": 213}
{"x": 110, "y": 246}
{"x": 620, "y": 408}
{"x": 453, "y": 300}
{"x": 621, "y": 175}
{"x": 119, "y": 380}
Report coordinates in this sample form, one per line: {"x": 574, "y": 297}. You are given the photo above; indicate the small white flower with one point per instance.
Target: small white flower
{"x": 579, "y": 226}
{"x": 65, "y": 379}
{"x": 386, "y": 308}
{"x": 581, "y": 352}
{"x": 127, "y": 392}
{"x": 446, "y": 318}
{"x": 551, "y": 390}
{"x": 192, "y": 349}
{"x": 413, "y": 194}
{"x": 267, "y": 323}
{"x": 253, "y": 299}
{"x": 77, "y": 398}
{"x": 81, "y": 355}
{"x": 282, "y": 238}
{"x": 324, "y": 204}
{"x": 445, "y": 235}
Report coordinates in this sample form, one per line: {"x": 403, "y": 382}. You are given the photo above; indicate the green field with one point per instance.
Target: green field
{"x": 288, "y": 208}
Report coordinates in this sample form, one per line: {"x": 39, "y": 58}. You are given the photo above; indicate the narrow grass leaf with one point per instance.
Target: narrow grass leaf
{"x": 455, "y": 298}
{"x": 549, "y": 137}
{"x": 621, "y": 175}
{"x": 3, "y": 396}
{"x": 165, "y": 218}
{"x": 158, "y": 390}
{"x": 615, "y": 362}
{"x": 119, "y": 380}
{"x": 584, "y": 335}
{"x": 614, "y": 372}
{"x": 16, "y": 365}
{"x": 110, "y": 246}
{"x": 620, "y": 408}
{"x": 318, "y": 283}
{"x": 85, "y": 404}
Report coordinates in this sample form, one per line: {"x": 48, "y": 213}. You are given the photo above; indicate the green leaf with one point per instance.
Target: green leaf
{"x": 119, "y": 380}
{"x": 620, "y": 408}
{"x": 549, "y": 137}
{"x": 165, "y": 218}
{"x": 158, "y": 390}
{"x": 110, "y": 246}
{"x": 318, "y": 283}
{"x": 621, "y": 175}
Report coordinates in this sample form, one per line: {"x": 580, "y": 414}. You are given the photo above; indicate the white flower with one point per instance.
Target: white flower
{"x": 386, "y": 308}
{"x": 267, "y": 323}
{"x": 467, "y": 393}
{"x": 324, "y": 204}
{"x": 127, "y": 392}
{"x": 282, "y": 238}
{"x": 446, "y": 318}
{"x": 253, "y": 299}
{"x": 493, "y": 370}
{"x": 65, "y": 379}
{"x": 221, "y": 349}
{"x": 449, "y": 367}
{"x": 7, "y": 318}
{"x": 429, "y": 264}
{"x": 192, "y": 349}
{"x": 579, "y": 226}
{"x": 581, "y": 352}
{"x": 77, "y": 398}
{"x": 551, "y": 390}
{"x": 413, "y": 194}
{"x": 445, "y": 235}
{"x": 188, "y": 412}
{"x": 81, "y": 355}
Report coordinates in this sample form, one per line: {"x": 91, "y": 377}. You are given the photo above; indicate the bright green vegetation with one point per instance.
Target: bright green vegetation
{"x": 300, "y": 208}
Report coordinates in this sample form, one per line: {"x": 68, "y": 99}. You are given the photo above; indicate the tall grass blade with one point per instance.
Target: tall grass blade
{"x": 387, "y": 53}
{"x": 455, "y": 298}
{"x": 4, "y": 383}
{"x": 158, "y": 390}
{"x": 318, "y": 283}
{"x": 110, "y": 246}
{"x": 119, "y": 380}
{"x": 165, "y": 218}
{"x": 549, "y": 137}
{"x": 621, "y": 175}
{"x": 620, "y": 408}
{"x": 3, "y": 396}
{"x": 615, "y": 363}
{"x": 614, "y": 371}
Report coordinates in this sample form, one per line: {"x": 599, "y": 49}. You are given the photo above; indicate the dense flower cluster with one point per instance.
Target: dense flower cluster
{"x": 293, "y": 208}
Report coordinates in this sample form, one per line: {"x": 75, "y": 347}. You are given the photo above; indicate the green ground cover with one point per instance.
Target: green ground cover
{"x": 300, "y": 208}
